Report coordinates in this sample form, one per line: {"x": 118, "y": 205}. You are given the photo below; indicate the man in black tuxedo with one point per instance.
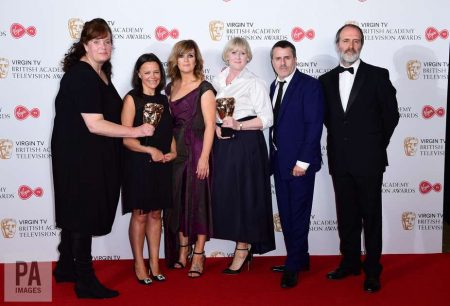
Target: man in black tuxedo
{"x": 361, "y": 114}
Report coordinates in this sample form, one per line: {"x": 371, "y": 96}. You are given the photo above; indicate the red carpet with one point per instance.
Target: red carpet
{"x": 406, "y": 280}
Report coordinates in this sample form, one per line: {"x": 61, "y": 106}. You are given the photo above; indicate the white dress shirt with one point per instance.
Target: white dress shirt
{"x": 250, "y": 94}
{"x": 346, "y": 80}
{"x": 287, "y": 79}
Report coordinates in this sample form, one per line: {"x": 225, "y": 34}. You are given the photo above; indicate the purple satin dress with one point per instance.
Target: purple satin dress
{"x": 191, "y": 212}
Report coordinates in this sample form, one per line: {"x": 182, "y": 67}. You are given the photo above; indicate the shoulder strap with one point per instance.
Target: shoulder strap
{"x": 205, "y": 86}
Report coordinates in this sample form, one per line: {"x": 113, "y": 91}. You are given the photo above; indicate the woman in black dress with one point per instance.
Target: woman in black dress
{"x": 147, "y": 184}
{"x": 86, "y": 154}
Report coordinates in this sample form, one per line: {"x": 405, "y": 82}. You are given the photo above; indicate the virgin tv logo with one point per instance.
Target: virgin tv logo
{"x": 161, "y": 33}
{"x": 18, "y": 31}
{"x": 298, "y": 34}
{"x": 429, "y": 111}
{"x": 22, "y": 113}
{"x": 431, "y": 34}
{"x": 25, "y": 192}
{"x": 426, "y": 187}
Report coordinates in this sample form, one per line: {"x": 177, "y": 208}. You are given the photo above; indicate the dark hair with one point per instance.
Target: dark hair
{"x": 350, "y": 25}
{"x": 180, "y": 48}
{"x": 284, "y": 44}
{"x": 96, "y": 28}
{"x": 136, "y": 81}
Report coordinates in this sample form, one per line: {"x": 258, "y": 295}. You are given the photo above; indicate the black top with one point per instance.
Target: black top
{"x": 86, "y": 166}
{"x": 147, "y": 185}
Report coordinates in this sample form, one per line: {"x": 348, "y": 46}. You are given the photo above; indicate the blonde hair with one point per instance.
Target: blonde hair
{"x": 237, "y": 42}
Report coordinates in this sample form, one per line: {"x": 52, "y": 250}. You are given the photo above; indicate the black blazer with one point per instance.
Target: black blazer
{"x": 358, "y": 137}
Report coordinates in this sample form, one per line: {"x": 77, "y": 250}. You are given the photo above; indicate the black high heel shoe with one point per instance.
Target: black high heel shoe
{"x": 179, "y": 264}
{"x": 196, "y": 273}
{"x": 157, "y": 277}
{"x": 145, "y": 281}
{"x": 247, "y": 260}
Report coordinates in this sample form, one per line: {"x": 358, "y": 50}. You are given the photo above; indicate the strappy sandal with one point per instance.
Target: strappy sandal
{"x": 179, "y": 264}
{"x": 247, "y": 259}
{"x": 195, "y": 273}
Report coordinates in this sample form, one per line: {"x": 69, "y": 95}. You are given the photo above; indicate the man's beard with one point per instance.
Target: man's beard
{"x": 349, "y": 58}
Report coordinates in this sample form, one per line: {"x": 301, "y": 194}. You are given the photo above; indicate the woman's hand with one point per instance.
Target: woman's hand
{"x": 218, "y": 132}
{"x": 144, "y": 130}
{"x": 169, "y": 157}
{"x": 202, "y": 168}
{"x": 230, "y": 122}
{"x": 157, "y": 155}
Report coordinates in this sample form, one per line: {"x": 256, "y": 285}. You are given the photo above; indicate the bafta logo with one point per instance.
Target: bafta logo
{"x": 4, "y": 65}
{"x": 216, "y": 29}
{"x": 225, "y": 108}
{"x": 217, "y": 254}
{"x": 8, "y": 227}
{"x": 413, "y": 69}
{"x": 408, "y": 220}
{"x": 410, "y": 146}
{"x": 277, "y": 223}
{"x": 152, "y": 113}
{"x": 75, "y": 27}
{"x": 6, "y": 147}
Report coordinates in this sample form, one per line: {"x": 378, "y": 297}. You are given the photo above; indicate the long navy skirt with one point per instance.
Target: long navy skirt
{"x": 241, "y": 191}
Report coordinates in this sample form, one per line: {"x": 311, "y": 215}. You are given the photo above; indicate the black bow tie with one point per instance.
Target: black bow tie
{"x": 349, "y": 69}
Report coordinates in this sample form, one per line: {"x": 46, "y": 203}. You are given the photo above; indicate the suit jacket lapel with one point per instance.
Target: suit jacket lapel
{"x": 335, "y": 90}
{"x": 357, "y": 84}
{"x": 288, "y": 93}
{"x": 272, "y": 89}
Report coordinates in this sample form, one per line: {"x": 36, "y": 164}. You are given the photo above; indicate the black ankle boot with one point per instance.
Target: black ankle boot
{"x": 62, "y": 274}
{"x": 87, "y": 284}
{"x": 65, "y": 270}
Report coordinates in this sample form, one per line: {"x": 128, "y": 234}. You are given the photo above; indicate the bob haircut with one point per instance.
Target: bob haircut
{"x": 234, "y": 43}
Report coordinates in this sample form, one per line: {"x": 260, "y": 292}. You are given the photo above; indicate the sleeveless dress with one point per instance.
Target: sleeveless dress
{"x": 86, "y": 166}
{"x": 191, "y": 212}
{"x": 147, "y": 185}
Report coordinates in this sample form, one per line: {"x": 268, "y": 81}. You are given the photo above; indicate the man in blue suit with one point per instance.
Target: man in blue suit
{"x": 295, "y": 154}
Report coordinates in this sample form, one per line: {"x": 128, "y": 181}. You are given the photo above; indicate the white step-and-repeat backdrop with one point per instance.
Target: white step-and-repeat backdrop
{"x": 409, "y": 38}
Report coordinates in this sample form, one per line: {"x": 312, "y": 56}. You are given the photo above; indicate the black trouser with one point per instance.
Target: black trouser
{"x": 359, "y": 206}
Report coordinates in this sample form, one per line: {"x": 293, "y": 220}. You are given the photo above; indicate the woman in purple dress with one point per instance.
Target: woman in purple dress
{"x": 192, "y": 103}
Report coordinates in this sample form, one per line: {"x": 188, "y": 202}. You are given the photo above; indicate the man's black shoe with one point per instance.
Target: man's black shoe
{"x": 340, "y": 273}
{"x": 289, "y": 279}
{"x": 281, "y": 268}
{"x": 372, "y": 284}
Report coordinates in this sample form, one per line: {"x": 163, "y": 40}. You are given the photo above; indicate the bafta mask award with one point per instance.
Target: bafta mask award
{"x": 225, "y": 107}
{"x": 152, "y": 115}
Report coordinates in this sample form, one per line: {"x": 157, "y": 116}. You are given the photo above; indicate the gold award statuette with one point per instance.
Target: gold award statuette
{"x": 225, "y": 107}
{"x": 152, "y": 115}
